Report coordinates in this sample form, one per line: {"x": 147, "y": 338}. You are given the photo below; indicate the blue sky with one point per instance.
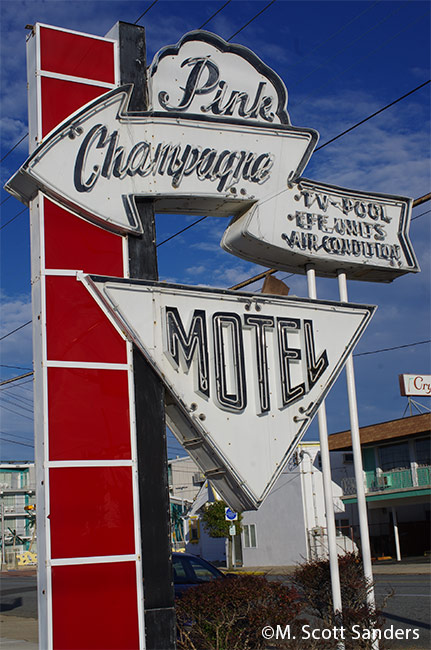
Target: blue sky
{"x": 341, "y": 61}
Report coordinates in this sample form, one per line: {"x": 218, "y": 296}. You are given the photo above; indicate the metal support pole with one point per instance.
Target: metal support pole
{"x": 3, "y": 549}
{"x": 327, "y": 483}
{"x": 396, "y": 535}
{"x": 357, "y": 460}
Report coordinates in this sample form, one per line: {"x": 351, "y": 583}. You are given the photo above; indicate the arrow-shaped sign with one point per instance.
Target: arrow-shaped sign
{"x": 245, "y": 373}
{"x": 101, "y": 159}
{"x": 363, "y": 233}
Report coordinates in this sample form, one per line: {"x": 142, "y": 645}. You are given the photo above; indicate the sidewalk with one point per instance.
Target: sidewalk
{"x": 384, "y": 567}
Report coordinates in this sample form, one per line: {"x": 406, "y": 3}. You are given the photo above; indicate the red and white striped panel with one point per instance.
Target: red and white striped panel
{"x": 90, "y": 575}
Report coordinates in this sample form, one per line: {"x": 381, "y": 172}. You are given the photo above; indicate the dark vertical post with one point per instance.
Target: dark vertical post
{"x": 149, "y": 397}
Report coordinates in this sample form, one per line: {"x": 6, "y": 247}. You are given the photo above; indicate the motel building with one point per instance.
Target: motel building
{"x": 397, "y": 478}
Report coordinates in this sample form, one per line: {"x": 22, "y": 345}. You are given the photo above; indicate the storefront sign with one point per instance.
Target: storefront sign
{"x": 415, "y": 385}
{"x": 245, "y": 373}
{"x": 333, "y": 228}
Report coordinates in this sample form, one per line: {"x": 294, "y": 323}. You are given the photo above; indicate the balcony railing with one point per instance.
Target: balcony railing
{"x": 395, "y": 480}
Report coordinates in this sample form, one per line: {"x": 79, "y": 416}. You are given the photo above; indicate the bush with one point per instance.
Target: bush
{"x": 230, "y": 613}
{"x": 313, "y": 581}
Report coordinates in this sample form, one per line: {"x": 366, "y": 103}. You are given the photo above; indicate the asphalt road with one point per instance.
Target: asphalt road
{"x": 407, "y": 609}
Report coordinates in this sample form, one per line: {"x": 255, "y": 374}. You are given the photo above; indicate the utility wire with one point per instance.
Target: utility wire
{"x": 145, "y": 12}
{"x": 15, "y": 435}
{"x": 13, "y": 219}
{"x": 310, "y": 52}
{"x": 29, "y": 381}
{"x": 16, "y": 404}
{"x": 12, "y": 379}
{"x": 15, "y": 330}
{"x": 3, "y": 365}
{"x": 420, "y": 215}
{"x": 6, "y": 199}
{"x": 321, "y": 147}
{"x": 355, "y": 126}
{"x": 355, "y": 40}
{"x": 215, "y": 14}
{"x": 251, "y": 20}
{"x": 14, "y": 147}
{"x": 367, "y": 56}
{"x": 15, "y": 412}
{"x": 15, "y": 442}
{"x": 396, "y": 347}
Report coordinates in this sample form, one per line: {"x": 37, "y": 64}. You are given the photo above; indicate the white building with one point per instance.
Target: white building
{"x": 288, "y": 528}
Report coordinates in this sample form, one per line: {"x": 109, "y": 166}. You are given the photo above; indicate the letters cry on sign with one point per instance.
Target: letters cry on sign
{"x": 232, "y": 368}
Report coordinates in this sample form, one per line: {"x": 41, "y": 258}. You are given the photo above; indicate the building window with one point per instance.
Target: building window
{"x": 348, "y": 458}
{"x": 394, "y": 457}
{"x": 250, "y": 536}
{"x": 423, "y": 452}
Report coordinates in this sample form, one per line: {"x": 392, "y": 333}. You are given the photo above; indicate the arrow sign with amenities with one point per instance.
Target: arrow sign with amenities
{"x": 101, "y": 159}
{"x": 244, "y": 373}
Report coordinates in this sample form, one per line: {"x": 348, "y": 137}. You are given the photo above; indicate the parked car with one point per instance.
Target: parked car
{"x": 190, "y": 570}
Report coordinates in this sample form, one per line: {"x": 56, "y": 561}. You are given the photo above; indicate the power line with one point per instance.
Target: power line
{"x": 13, "y": 219}
{"x": 15, "y": 412}
{"x": 29, "y": 381}
{"x": 373, "y": 115}
{"x": 215, "y": 14}
{"x": 251, "y": 20}
{"x": 15, "y": 435}
{"x": 16, "y": 404}
{"x": 15, "y": 330}
{"x": 9, "y": 381}
{"x": 3, "y": 365}
{"x": 15, "y": 442}
{"x": 6, "y": 199}
{"x": 145, "y": 12}
{"x": 367, "y": 56}
{"x": 352, "y": 42}
{"x": 317, "y": 149}
{"x": 396, "y": 347}
{"x": 14, "y": 147}
{"x": 420, "y": 215}
{"x": 310, "y": 52}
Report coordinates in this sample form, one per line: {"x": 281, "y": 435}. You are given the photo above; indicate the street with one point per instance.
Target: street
{"x": 408, "y": 608}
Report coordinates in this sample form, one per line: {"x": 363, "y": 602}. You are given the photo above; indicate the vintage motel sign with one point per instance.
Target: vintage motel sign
{"x": 245, "y": 373}
{"x": 218, "y": 141}
{"x": 365, "y": 234}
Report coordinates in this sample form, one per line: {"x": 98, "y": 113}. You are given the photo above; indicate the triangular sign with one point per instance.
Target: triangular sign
{"x": 244, "y": 373}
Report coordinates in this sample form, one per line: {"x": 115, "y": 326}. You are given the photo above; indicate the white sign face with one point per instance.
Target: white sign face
{"x": 363, "y": 234}
{"x": 419, "y": 385}
{"x": 230, "y": 515}
{"x": 207, "y": 77}
{"x": 245, "y": 373}
{"x": 101, "y": 159}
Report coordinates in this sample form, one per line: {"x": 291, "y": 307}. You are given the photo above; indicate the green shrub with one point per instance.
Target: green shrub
{"x": 230, "y": 613}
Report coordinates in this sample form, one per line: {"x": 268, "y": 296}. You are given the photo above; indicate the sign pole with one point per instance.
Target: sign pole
{"x": 149, "y": 396}
{"x": 327, "y": 486}
{"x": 357, "y": 459}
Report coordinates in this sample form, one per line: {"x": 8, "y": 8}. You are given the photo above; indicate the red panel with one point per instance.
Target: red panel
{"x": 91, "y": 511}
{"x": 76, "y": 55}
{"x": 89, "y": 248}
{"x": 88, "y": 414}
{"x": 61, "y": 98}
{"x": 95, "y": 606}
{"x": 77, "y": 329}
